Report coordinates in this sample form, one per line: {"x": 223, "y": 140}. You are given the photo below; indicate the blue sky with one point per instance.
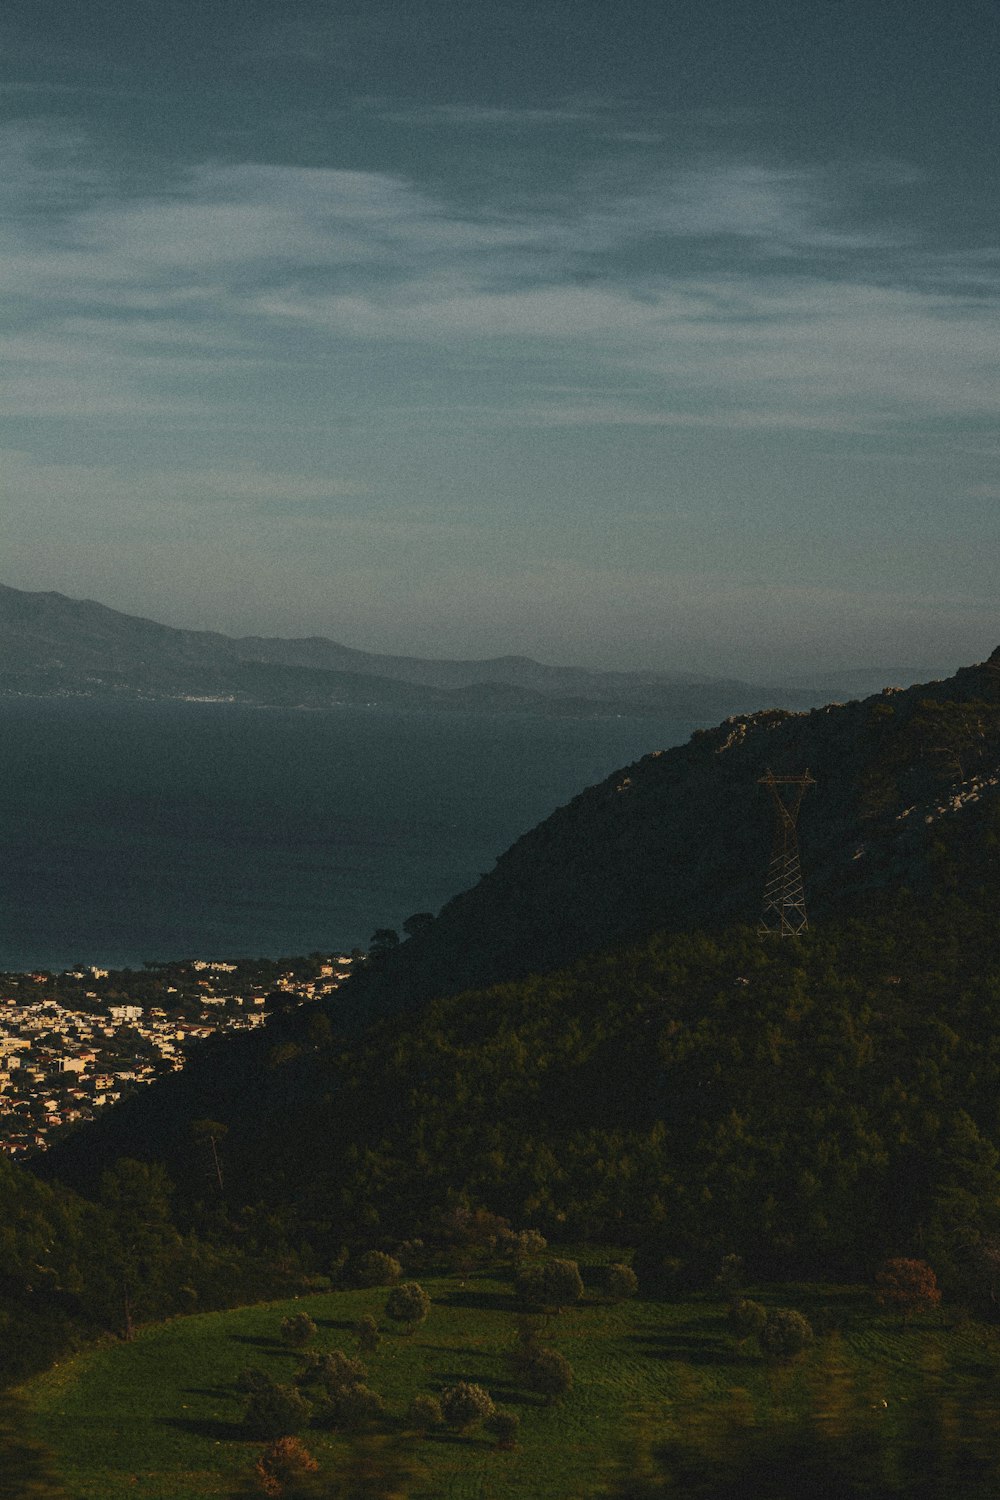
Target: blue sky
{"x": 636, "y": 335}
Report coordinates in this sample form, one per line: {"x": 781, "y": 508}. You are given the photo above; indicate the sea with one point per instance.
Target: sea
{"x": 141, "y": 832}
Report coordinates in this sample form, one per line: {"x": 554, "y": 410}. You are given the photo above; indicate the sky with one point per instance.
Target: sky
{"x": 634, "y": 335}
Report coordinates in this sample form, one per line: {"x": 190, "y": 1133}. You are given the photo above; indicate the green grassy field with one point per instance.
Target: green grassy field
{"x": 160, "y": 1417}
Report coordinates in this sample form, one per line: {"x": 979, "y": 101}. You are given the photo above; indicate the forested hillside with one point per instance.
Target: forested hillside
{"x": 812, "y": 1105}
{"x": 682, "y": 839}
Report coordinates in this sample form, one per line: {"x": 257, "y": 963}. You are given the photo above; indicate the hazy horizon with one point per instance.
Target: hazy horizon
{"x": 664, "y": 337}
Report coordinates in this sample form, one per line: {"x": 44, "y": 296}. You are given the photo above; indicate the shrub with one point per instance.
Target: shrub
{"x": 730, "y": 1277}
{"x": 528, "y": 1331}
{"x": 548, "y": 1373}
{"x": 473, "y": 1228}
{"x": 553, "y": 1283}
{"x": 465, "y": 1404}
{"x": 283, "y": 1466}
{"x": 517, "y": 1245}
{"x": 529, "y": 1284}
{"x": 785, "y": 1333}
{"x": 504, "y": 1425}
{"x": 425, "y": 1412}
{"x": 620, "y": 1281}
{"x": 747, "y": 1318}
{"x": 375, "y": 1268}
{"x": 910, "y": 1286}
{"x": 275, "y": 1411}
{"x": 333, "y": 1370}
{"x": 367, "y": 1334}
{"x": 408, "y": 1303}
{"x": 298, "y": 1330}
{"x": 352, "y": 1407}
{"x": 413, "y": 1255}
{"x": 251, "y": 1379}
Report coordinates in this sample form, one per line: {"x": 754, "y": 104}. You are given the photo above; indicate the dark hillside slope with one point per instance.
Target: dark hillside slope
{"x": 813, "y": 1103}
{"x": 682, "y": 838}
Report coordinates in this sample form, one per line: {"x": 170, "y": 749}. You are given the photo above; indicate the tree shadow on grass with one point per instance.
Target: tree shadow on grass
{"x": 444, "y": 1378}
{"x": 25, "y": 1472}
{"x": 968, "y": 1367}
{"x": 208, "y": 1427}
{"x": 483, "y": 1300}
{"x": 260, "y": 1341}
{"x": 344, "y": 1325}
{"x": 456, "y": 1439}
{"x": 692, "y": 1349}
{"x": 455, "y": 1353}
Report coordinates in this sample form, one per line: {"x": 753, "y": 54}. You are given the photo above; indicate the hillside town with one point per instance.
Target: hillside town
{"x": 73, "y": 1042}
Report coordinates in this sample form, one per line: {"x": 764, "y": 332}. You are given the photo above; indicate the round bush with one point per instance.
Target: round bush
{"x": 785, "y": 1333}
{"x": 408, "y": 1303}
{"x": 529, "y": 1285}
{"x": 276, "y": 1411}
{"x": 297, "y": 1330}
{"x": 552, "y": 1283}
{"x": 747, "y": 1318}
{"x": 251, "y": 1379}
{"x": 425, "y": 1412}
{"x": 909, "y": 1286}
{"x": 464, "y": 1404}
{"x": 284, "y": 1464}
{"x": 620, "y": 1281}
{"x": 504, "y": 1425}
{"x": 333, "y": 1370}
{"x": 548, "y": 1373}
{"x": 367, "y": 1334}
{"x": 375, "y": 1268}
{"x": 521, "y": 1244}
{"x": 351, "y": 1407}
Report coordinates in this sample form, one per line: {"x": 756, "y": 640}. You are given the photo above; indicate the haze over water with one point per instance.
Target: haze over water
{"x": 138, "y": 831}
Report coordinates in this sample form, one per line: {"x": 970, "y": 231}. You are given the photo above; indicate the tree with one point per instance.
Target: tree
{"x": 208, "y": 1136}
{"x": 747, "y": 1318}
{"x": 464, "y": 1404}
{"x": 553, "y": 1283}
{"x": 504, "y": 1426}
{"x": 425, "y": 1412}
{"x": 276, "y": 1411}
{"x": 298, "y": 1330}
{"x": 519, "y": 1245}
{"x": 620, "y": 1281}
{"x": 144, "y": 1245}
{"x": 419, "y": 922}
{"x": 910, "y": 1286}
{"x": 548, "y": 1373}
{"x": 785, "y": 1333}
{"x": 730, "y": 1277}
{"x": 375, "y": 1268}
{"x": 352, "y": 1407}
{"x": 408, "y": 1303}
{"x": 367, "y": 1334}
{"x": 333, "y": 1371}
{"x": 383, "y": 940}
{"x": 283, "y": 1466}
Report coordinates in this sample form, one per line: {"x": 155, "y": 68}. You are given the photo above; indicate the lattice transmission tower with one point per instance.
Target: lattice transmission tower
{"x": 784, "y": 913}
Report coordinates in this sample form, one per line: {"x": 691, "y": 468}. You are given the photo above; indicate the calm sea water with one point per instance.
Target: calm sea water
{"x": 149, "y": 831}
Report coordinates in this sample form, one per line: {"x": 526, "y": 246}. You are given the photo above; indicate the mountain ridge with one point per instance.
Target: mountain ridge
{"x": 51, "y": 644}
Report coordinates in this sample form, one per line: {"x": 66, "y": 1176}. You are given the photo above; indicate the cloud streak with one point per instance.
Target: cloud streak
{"x": 136, "y": 302}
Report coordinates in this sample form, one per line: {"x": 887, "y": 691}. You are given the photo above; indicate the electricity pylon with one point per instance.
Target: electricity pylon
{"x": 784, "y": 913}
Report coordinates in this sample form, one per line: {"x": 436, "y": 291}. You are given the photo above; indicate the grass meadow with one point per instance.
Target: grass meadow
{"x": 161, "y": 1417}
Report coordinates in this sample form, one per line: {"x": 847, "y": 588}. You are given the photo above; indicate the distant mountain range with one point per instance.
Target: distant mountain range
{"x": 51, "y": 645}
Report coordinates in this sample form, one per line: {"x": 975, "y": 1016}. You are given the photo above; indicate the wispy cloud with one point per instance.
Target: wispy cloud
{"x": 735, "y": 293}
